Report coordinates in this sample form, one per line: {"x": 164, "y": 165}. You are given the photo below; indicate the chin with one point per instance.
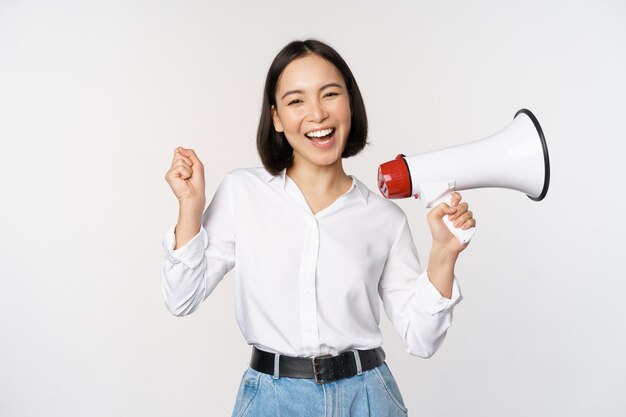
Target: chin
{"x": 327, "y": 161}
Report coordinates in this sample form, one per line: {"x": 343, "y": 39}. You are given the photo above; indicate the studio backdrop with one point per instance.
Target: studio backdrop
{"x": 96, "y": 95}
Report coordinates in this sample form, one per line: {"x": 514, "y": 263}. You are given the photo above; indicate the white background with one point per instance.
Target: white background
{"x": 95, "y": 96}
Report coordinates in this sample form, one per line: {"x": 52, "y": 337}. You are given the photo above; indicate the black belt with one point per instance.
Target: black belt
{"x": 323, "y": 369}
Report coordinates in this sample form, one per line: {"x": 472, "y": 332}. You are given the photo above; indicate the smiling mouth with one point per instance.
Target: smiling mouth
{"x": 324, "y": 139}
{"x": 321, "y": 135}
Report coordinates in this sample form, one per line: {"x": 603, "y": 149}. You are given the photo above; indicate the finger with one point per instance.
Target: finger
{"x": 178, "y": 151}
{"x": 180, "y": 157}
{"x": 456, "y": 199}
{"x": 460, "y": 210}
{"x": 189, "y": 153}
{"x": 181, "y": 163}
{"x": 181, "y": 152}
{"x": 184, "y": 172}
{"x": 179, "y": 171}
{"x": 470, "y": 223}
{"x": 441, "y": 210}
{"x": 463, "y": 219}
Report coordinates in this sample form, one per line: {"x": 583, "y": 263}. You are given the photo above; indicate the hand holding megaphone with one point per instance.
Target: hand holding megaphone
{"x": 514, "y": 158}
{"x": 450, "y": 214}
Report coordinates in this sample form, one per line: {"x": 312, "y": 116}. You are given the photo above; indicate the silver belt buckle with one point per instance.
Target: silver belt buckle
{"x": 315, "y": 373}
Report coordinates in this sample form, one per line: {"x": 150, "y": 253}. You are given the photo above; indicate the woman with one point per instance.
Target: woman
{"x": 314, "y": 249}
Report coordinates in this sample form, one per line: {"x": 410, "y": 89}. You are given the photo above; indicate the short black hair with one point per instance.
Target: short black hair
{"x": 274, "y": 150}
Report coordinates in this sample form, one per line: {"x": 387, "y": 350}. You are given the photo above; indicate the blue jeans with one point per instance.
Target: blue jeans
{"x": 372, "y": 393}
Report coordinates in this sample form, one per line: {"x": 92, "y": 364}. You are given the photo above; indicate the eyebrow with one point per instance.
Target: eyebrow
{"x": 300, "y": 91}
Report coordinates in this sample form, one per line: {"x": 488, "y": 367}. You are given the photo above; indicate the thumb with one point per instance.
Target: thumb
{"x": 440, "y": 210}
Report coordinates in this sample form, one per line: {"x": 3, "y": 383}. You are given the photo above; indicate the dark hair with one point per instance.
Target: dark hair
{"x": 276, "y": 153}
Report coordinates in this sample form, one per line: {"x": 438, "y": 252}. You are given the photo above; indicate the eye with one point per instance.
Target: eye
{"x": 331, "y": 94}
{"x": 294, "y": 101}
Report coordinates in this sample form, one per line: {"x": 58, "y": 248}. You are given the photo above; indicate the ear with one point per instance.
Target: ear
{"x": 278, "y": 126}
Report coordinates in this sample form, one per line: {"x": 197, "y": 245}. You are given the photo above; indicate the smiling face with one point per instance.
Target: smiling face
{"x": 313, "y": 111}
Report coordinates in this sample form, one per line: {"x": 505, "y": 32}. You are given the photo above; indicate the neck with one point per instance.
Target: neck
{"x": 315, "y": 178}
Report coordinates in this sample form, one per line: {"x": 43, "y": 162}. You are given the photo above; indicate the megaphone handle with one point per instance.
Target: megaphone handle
{"x": 464, "y": 235}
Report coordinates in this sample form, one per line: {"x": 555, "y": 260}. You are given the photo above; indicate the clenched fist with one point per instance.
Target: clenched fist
{"x": 186, "y": 178}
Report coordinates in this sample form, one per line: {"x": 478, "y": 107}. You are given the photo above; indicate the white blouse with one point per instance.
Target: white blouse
{"x": 308, "y": 284}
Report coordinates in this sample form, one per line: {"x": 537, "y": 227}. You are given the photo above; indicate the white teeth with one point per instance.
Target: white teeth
{"x": 319, "y": 133}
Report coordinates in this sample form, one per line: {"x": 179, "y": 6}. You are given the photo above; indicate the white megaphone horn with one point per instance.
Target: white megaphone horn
{"x": 515, "y": 158}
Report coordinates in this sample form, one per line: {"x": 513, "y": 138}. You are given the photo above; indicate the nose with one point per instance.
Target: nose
{"x": 318, "y": 112}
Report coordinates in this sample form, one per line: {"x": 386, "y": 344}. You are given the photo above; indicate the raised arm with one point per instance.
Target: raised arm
{"x": 186, "y": 178}
{"x": 199, "y": 248}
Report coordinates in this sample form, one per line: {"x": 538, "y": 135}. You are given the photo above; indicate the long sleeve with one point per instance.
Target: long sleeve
{"x": 190, "y": 273}
{"x": 419, "y": 313}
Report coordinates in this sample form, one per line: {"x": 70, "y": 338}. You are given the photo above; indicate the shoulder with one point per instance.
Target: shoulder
{"x": 248, "y": 181}
{"x": 247, "y": 175}
{"x": 376, "y": 202}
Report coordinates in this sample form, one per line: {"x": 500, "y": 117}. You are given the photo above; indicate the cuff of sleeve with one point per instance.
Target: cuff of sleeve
{"x": 432, "y": 299}
{"x": 191, "y": 253}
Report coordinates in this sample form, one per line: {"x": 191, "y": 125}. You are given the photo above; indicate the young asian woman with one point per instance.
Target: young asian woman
{"x": 313, "y": 252}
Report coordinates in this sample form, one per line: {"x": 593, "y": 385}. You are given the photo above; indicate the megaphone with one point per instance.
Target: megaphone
{"x": 515, "y": 158}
